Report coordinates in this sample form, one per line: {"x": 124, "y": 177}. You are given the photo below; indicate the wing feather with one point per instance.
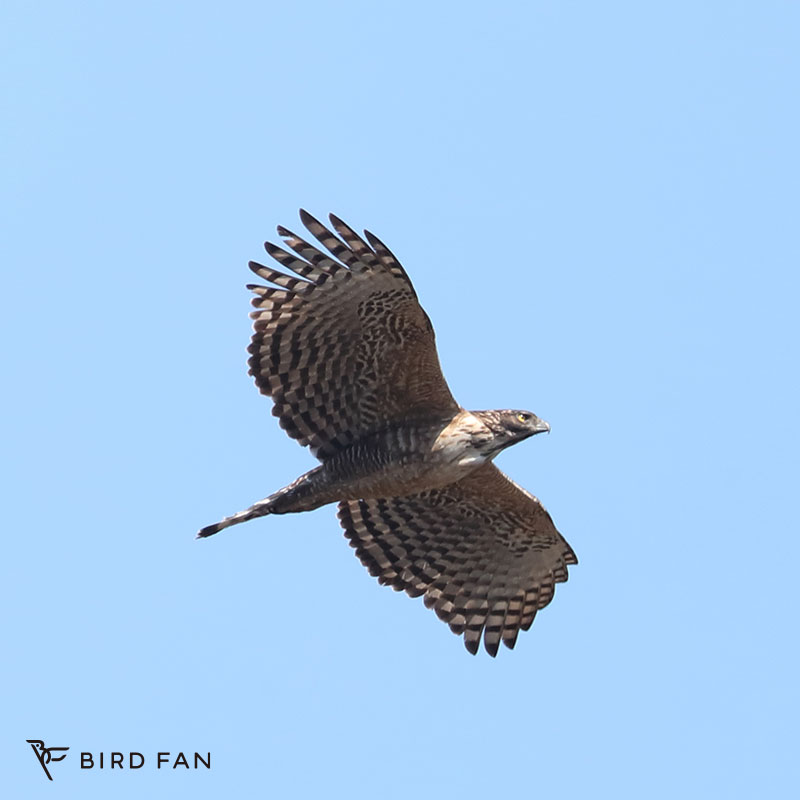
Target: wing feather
{"x": 342, "y": 346}
{"x": 484, "y": 553}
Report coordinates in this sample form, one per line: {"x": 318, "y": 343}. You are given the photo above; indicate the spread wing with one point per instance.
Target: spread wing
{"x": 345, "y": 347}
{"x": 484, "y": 553}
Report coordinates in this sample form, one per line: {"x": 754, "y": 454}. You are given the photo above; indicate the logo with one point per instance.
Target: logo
{"x": 133, "y": 760}
{"x": 44, "y": 755}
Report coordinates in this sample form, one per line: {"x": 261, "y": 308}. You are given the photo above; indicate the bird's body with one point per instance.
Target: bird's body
{"x": 400, "y": 460}
{"x": 348, "y": 356}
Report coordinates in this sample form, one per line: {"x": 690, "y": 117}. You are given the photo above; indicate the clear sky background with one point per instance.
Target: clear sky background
{"x": 598, "y": 205}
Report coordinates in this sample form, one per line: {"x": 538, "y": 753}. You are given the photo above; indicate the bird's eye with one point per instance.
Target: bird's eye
{"x": 523, "y": 417}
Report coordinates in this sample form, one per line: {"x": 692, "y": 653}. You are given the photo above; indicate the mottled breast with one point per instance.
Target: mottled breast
{"x": 411, "y": 458}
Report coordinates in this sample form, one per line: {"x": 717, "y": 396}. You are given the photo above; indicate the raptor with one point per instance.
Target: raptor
{"x": 348, "y": 356}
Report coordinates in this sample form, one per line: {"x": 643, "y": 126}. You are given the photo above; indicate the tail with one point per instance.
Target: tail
{"x": 300, "y": 495}
{"x": 259, "y": 509}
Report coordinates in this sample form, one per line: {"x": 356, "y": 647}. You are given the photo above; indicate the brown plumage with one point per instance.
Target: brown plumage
{"x": 349, "y": 358}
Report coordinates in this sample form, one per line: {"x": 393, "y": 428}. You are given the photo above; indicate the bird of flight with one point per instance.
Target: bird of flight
{"x": 348, "y": 356}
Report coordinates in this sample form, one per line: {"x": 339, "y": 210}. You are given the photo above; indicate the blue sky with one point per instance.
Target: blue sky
{"x": 597, "y": 203}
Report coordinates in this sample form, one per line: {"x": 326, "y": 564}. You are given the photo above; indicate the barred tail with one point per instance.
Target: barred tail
{"x": 300, "y": 495}
{"x": 259, "y": 509}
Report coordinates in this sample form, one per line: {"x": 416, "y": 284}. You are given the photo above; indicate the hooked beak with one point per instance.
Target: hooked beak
{"x": 541, "y": 426}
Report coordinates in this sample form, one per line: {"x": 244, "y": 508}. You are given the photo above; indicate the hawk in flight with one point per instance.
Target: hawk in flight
{"x": 348, "y": 357}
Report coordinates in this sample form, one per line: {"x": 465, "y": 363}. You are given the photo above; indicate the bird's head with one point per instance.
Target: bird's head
{"x": 510, "y": 426}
